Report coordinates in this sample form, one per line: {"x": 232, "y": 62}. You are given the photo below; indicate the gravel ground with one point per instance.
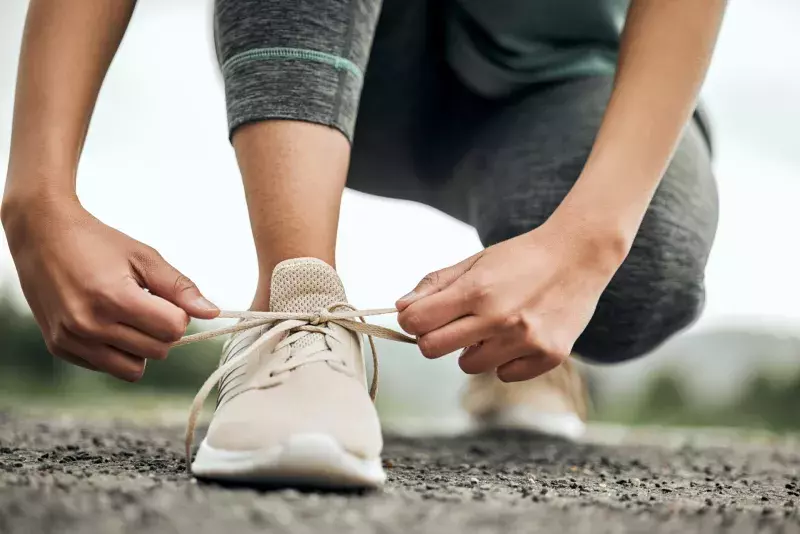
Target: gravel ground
{"x": 122, "y": 477}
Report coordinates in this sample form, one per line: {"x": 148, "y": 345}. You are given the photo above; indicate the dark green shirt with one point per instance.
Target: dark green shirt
{"x": 498, "y": 46}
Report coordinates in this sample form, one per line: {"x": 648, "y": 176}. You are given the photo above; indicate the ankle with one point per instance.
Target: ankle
{"x": 260, "y": 300}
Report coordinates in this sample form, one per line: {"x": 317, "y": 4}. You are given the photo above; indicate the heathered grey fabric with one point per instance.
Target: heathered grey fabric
{"x": 276, "y": 87}
{"x": 500, "y": 160}
{"x": 504, "y": 165}
{"x": 496, "y": 48}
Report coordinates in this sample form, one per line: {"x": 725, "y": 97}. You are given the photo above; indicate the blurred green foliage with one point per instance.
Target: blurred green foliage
{"x": 764, "y": 403}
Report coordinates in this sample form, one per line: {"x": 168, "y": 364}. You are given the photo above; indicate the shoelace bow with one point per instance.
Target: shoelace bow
{"x": 350, "y": 318}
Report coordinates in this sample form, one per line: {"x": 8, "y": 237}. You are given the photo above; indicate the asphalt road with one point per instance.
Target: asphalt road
{"x": 120, "y": 477}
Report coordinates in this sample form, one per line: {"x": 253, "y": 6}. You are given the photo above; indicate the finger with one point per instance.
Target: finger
{"x": 165, "y": 281}
{"x": 72, "y": 358}
{"x": 151, "y": 315}
{"x": 134, "y": 342}
{"x": 436, "y": 281}
{"x": 463, "y": 332}
{"x": 527, "y": 367}
{"x": 104, "y": 358}
{"x": 435, "y": 311}
{"x": 490, "y": 355}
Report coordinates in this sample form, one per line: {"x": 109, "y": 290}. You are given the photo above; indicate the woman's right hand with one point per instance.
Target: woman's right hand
{"x": 85, "y": 283}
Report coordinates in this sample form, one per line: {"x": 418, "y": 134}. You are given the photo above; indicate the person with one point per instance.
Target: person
{"x": 566, "y": 132}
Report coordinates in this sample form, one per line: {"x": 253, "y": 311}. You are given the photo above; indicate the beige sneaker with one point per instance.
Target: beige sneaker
{"x": 553, "y": 404}
{"x": 297, "y": 410}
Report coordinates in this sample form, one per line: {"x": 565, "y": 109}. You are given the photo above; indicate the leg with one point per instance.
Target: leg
{"x": 293, "y": 76}
{"x": 415, "y": 116}
{"x": 286, "y": 220}
{"x": 525, "y": 162}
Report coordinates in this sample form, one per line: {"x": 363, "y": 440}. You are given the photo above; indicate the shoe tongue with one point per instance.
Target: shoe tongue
{"x": 304, "y": 285}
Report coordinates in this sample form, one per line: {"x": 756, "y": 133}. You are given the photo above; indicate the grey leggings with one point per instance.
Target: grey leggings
{"x": 501, "y": 165}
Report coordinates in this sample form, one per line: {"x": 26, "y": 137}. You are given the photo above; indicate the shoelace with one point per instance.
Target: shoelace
{"x": 351, "y": 319}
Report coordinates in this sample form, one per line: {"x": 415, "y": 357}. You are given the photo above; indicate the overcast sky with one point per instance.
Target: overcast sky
{"x": 159, "y": 167}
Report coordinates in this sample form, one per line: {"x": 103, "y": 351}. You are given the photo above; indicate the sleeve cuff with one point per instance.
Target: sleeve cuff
{"x": 292, "y": 84}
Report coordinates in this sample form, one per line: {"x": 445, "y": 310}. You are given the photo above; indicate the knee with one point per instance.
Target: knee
{"x": 641, "y": 309}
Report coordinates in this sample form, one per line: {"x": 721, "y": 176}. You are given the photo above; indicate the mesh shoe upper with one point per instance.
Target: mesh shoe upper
{"x": 324, "y": 390}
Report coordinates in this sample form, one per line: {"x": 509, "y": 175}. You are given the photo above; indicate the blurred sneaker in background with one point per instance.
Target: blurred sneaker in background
{"x": 552, "y": 404}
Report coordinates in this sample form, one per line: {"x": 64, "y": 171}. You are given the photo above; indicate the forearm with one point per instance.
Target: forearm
{"x": 665, "y": 53}
{"x": 66, "y": 50}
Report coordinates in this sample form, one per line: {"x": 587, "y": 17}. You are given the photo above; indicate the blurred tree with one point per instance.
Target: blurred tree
{"x": 664, "y": 400}
{"x": 24, "y": 359}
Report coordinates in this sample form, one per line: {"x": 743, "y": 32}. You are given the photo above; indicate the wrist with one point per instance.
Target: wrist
{"x": 22, "y": 208}
{"x": 598, "y": 240}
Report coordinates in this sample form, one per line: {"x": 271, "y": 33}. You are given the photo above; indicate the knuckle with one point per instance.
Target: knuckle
{"x": 531, "y": 339}
{"x": 58, "y": 338}
{"x": 106, "y": 301}
{"x": 133, "y": 372}
{"x": 176, "y": 327}
{"x": 79, "y": 324}
{"x": 508, "y": 321}
{"x": 480, "y": 288}
{"x": 182, "y": 283}
{"x": 431, "y": 278}
{"x": 531, "y": 332}
{"x": 146, "y": 257}
{"x": 153, "y": 253}
{"x": 410, "y": 322}
{"x": 427, "y": 346}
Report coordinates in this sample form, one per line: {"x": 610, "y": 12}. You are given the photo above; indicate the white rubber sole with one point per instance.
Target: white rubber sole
{"x": 563, "y": 425}
{"x": 305, "y": 460}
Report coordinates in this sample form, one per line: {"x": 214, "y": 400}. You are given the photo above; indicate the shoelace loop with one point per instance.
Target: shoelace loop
{"x": 284, "y": 322}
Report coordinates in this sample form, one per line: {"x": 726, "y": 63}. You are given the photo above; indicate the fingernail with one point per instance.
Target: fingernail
{"x": 409, "y": 296}
{"x": 205, "y": 304}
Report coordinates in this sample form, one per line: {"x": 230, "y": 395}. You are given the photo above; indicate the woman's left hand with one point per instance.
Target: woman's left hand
{"x": 518, "y": 306}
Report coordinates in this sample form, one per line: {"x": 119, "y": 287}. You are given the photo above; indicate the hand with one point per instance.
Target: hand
{"x": 85, "y": 283}
{"x": 518, "y": 306}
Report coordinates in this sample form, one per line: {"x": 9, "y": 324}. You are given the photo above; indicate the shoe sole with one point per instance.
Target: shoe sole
{"x": 562, "y": 425}
{"x": 306, "y": 460}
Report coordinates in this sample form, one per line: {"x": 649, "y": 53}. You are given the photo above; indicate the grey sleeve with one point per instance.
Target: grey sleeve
{"x": 294, "y": 59}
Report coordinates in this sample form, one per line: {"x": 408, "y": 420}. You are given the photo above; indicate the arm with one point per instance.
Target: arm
{"x": 83, "y": 280}
{"x": 665, "y": 53}
{"x": 67, "y": 48}
{"x": 489, "y": 302}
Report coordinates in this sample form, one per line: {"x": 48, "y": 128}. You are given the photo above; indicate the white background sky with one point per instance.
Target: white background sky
{"x": 159, "y": 167}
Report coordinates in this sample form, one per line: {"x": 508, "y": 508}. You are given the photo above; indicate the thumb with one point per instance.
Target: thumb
{"x": 165, "y": 281}
{"x": 436, "y": 281}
